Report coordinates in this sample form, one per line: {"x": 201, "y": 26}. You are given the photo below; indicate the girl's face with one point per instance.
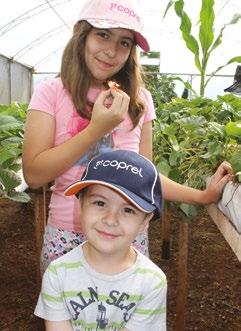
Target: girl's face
{"x": 106, "y": 52}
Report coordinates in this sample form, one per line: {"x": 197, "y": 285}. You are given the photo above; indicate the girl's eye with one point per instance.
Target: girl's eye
{"x": 102, "y": 34}
{"x": 126, "y": 43}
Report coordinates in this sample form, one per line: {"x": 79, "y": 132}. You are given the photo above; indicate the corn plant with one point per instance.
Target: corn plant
{"x": 205, "y": 43}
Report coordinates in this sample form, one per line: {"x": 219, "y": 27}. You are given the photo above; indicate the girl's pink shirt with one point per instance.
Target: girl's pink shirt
{"x": 52, "y": 98}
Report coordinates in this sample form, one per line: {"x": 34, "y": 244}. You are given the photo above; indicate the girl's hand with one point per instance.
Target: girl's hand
{"x": 104, "y": 119}
{"x": 223, "y": 174}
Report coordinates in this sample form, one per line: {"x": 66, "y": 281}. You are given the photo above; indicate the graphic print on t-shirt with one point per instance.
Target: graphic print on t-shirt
{"x": 90, "y": 300}
{"x": 105, "y": 144}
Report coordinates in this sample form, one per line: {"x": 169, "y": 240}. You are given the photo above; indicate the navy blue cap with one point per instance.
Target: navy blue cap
{"x": 128, "y": 173}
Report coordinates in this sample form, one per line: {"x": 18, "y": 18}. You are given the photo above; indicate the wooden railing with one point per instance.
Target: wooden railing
{"x": 228, "y": 231}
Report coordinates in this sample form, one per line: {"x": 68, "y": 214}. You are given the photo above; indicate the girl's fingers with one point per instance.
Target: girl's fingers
{"x": 102, "y": 96}
{"x": 224, "y": 169}
{"x": 120, "y": 101}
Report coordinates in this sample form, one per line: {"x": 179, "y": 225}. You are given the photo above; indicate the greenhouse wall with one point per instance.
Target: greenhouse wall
{"x": 15, "y": 81}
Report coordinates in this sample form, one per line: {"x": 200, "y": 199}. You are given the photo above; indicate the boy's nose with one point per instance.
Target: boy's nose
{"x": 111, "y": 218}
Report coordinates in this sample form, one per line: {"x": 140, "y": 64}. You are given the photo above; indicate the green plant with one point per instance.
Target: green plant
{"x": 205, "y": 43}
{"x": 12, "y": 120}
{"x": 162, "y": 88}
{"x": 190, "y": 139}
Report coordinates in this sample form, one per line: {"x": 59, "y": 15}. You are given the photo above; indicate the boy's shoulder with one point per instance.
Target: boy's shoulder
{"x": 145, "y": 265}
{"x": 72, "y": 258}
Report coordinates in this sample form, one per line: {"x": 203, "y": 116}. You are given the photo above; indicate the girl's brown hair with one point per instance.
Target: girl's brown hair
{"x": 76, "y": 77}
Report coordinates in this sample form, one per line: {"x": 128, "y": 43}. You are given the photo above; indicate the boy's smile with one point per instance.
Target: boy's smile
{"x": 108, "y": 235}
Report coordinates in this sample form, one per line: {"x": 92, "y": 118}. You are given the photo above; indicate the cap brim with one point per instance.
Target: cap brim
{"x": 140, "y": 204}
{"x": 142, "y": 42}
{"x": 105, "y": 24}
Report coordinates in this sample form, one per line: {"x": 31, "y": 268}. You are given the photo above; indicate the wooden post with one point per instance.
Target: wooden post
{"x": 40, "y": 223}
{"x": 182, "y": 276}
{"x": 165, "y": 234}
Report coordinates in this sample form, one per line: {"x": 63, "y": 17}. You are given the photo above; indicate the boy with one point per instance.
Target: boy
{"x": 105, "y": 283}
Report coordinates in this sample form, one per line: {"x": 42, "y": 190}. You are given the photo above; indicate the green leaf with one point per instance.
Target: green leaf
{"x": 235, "y": 59}
{"x": 174, "y": 143}
{"x": 190, "y": 211}
{"x": 14, "y": 140}
{"x": 215, "y": 148}
{"x": 235, "y": 161}
{"x": 18, "y": 196}
{"x": 239, "y": 176}
{"x": 9, "y": 123}
{"x": 185, "y": 28}
{"x": 218, "y": 41}
{"x": 176, "y": 175}
{"x": 206, "y": 27}
{"x": 174, "y": 158}
{"x": 216, "y": 129}
{"x": 170, "y": 3}
{"x": 233, "y": 129}
{"x": 186, "y": 84}
{"x": 163, "y": 167}
{"x": 9, "y": 152}
{"x": 9, "y": 179}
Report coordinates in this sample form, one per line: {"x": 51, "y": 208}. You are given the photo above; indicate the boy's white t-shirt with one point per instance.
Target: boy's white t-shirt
{"x": 134, "y": 299}
{"x": 52, "y": 98}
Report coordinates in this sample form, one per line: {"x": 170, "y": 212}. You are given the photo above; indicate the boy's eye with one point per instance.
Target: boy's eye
{"x": 99, "y": 203}
{"x": 129, "y": 210}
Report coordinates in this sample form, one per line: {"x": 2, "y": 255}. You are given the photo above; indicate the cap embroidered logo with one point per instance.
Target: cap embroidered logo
{"x": 125, "y": 10}
{"x": 119, "y": 165}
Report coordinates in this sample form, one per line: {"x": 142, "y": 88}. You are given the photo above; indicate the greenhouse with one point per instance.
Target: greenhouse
{"x": 94, "y": 235}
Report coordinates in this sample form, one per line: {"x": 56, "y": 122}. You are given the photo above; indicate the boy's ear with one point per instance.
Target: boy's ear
{"x": 145, "y": 224}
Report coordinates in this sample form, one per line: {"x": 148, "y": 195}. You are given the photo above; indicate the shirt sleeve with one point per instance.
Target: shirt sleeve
{"x": 44, "y": 97}
{"x": 151, "y": 312}
{"x": 51, "y": 305}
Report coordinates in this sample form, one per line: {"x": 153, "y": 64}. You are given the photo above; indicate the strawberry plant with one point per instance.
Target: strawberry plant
{"x": 191, "y": 140}
{"x": 12, "y": 120}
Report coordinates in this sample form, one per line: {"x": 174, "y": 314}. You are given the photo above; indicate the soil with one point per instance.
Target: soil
{"x": 214, "y": 272}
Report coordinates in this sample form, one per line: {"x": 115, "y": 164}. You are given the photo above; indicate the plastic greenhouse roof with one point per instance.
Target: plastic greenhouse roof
{"x": 34, "y": 32}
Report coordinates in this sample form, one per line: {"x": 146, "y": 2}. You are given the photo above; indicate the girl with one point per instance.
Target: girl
{"x": 75, "y": 116}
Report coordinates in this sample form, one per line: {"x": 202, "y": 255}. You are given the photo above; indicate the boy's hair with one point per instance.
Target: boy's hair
{"x": 130, "y": 174}
{"x": 76, "y": 77}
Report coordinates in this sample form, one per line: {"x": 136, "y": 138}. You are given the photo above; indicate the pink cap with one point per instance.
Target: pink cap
{"x": 107, "y": 14}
